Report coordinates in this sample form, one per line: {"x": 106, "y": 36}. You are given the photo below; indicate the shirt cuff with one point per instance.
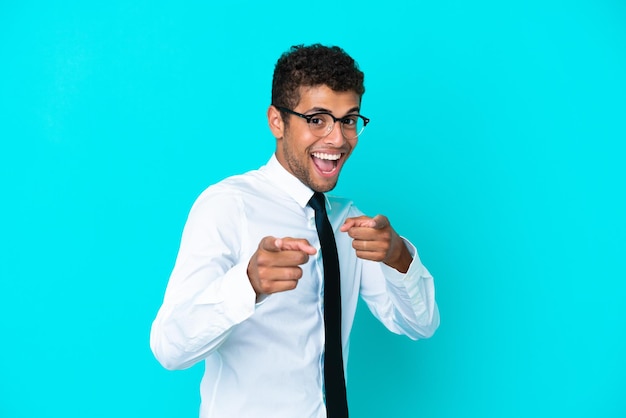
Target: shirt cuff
{"x": 416, "y": 268}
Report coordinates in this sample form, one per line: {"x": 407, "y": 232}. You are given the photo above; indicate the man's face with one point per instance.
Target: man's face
{"x": 316, "y": 161}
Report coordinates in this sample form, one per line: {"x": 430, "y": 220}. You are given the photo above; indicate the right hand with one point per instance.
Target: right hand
{"x": 274, "y": 267}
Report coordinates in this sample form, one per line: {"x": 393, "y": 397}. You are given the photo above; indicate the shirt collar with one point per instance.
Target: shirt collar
{"x": 287, "y": 182}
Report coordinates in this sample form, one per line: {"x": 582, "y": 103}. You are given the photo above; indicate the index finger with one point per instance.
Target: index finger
{"x": 359, "y": 222}
{"x": 295, "y": 244}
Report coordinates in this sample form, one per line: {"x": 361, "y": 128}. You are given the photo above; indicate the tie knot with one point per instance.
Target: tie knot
{"x": 317, "y": 202}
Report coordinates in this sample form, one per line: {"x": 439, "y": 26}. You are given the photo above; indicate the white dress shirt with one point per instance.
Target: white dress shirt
{"x": 265, "y": 359}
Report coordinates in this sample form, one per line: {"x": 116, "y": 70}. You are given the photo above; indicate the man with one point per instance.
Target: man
{"x": 256, "y": 291}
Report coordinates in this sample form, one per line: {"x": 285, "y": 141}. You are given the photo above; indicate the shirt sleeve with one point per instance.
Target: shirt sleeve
{"x": 404, "y": 303}
{"x": 209, "y": 291}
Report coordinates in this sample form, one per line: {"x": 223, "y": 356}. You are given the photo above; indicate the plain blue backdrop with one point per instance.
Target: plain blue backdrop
{"x": 496, "y": 145}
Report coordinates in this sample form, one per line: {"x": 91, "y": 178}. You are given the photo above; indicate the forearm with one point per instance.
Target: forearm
{"x": 405, "y": 303}
{"x": 413, "y": 300}
{"x": 191, "y": 324}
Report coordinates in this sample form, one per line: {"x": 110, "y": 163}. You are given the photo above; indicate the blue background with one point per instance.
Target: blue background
{"x": 496, "y": 145}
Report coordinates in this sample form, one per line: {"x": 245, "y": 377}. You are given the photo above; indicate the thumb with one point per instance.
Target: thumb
{"x": 380, "y": 222}
{"x": 271, "y": 244}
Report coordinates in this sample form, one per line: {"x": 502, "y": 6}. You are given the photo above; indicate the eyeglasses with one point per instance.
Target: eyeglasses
{"x": 321, "y": 124}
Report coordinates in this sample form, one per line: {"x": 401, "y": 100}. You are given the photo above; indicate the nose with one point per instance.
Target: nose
{"x": 335, "y": 137}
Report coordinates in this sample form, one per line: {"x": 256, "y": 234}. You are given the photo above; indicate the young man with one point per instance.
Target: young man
{"x": 256, "y": 291}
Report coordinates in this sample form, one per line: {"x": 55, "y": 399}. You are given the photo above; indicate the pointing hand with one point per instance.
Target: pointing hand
{"x": 275, "y": 266}
{"x": 374, "y": 239}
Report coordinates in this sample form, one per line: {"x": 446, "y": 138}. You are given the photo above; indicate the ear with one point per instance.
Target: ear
{"x": 275, "y": 121}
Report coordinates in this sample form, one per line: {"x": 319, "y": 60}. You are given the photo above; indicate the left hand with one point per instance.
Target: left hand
{"x": 375, "y": 239}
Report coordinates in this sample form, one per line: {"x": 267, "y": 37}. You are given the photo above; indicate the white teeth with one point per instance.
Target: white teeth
{"x": 324, "y": 156}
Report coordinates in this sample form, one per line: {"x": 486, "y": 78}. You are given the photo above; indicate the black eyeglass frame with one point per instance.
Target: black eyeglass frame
{"x": 335, "y": 120}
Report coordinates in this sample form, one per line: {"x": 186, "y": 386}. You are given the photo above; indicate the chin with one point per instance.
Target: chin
{"x": 323, "y": 187}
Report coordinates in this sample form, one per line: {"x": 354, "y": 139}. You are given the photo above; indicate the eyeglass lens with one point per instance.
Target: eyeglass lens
{"x": 351, "y": 126}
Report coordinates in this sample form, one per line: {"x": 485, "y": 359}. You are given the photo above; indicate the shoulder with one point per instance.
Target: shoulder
{"x": 232, "y": 188}
{"x": 222, "y": 198}
{"x": 342, "y": 207}
{"x": 339, "y": 202}
{"x": 230, "y": 196}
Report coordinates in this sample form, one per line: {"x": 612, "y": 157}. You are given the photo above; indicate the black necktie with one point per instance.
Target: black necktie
{"x": 334, "y": 380}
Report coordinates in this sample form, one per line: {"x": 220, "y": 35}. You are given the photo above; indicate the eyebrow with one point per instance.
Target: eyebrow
{"x": 324, "y": 110}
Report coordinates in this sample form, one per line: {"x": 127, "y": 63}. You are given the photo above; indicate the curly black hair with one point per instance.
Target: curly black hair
{"x": 314, "y": 65}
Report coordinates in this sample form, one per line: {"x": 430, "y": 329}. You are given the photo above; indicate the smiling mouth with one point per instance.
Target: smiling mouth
{"x": 325, "y": 162}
